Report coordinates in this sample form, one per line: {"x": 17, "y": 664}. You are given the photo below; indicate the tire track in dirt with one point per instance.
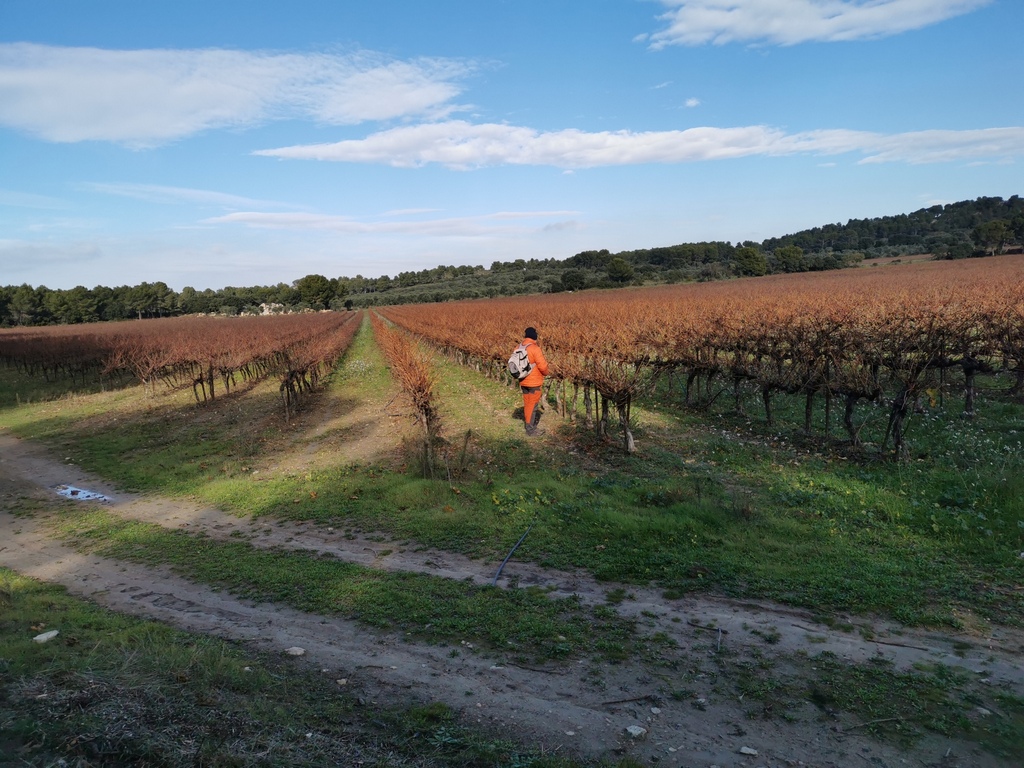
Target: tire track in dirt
{"x": 559, "y": 708}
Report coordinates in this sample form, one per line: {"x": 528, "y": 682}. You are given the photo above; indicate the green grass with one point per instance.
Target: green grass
{"x": 114, "y": 690}
{"x": 887, "y": 703}
{"x": 713, "y": 502}
{"x": 902, "y": 705}
{"x": 17, "y": 389}
{"x": 522, "y": 623}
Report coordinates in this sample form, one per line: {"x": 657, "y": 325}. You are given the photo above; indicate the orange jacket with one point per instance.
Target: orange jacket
{"x": 540, "y": 365}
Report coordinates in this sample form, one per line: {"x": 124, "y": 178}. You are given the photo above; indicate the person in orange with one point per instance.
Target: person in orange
{"x": 533, "y": 384}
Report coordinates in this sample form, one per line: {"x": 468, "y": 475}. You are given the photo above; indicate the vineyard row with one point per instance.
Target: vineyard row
{"x": 193, "y": 351}
{"x": 867, "y": 334}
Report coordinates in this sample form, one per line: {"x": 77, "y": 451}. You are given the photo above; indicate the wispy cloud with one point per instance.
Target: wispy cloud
{"x": 692, "y": 102}
{"x": 21, "y": 256}
{"x": 409, "y": 211}
{"x": 147, "y": 97}
{"x": 155, "y": 193}
{"x": 462, "y": 145}
{"x": 15, "y": 199}
{"x": 498, "y": 223}
{"x": 916, "y": 147}
{"x": 788, "y": 22}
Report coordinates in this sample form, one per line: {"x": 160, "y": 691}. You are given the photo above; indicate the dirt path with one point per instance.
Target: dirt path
{"x": 564, "y": 708}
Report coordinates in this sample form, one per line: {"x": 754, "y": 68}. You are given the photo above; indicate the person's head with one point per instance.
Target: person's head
{"x": 530, "y": 333}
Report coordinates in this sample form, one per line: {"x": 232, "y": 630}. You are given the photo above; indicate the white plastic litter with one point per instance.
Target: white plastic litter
{"x": 80, "y": 494}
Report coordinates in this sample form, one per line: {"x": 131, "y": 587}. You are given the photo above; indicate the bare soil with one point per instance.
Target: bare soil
{"x": 581, "y": 708}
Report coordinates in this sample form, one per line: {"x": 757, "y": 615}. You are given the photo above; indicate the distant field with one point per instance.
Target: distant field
{"x": 886, "y": 260}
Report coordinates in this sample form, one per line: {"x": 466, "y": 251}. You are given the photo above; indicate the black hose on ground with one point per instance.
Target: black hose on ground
{"x": 494, "y": 581}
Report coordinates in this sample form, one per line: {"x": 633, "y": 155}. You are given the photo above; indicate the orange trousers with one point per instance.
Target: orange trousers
{"x": 531, "y": 397}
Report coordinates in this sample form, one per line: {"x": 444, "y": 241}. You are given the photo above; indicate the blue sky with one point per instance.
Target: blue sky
{"x": 229, "y": 143}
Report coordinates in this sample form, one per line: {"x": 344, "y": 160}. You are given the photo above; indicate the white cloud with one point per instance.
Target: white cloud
{"x": 788, "y": 22}
{"x": 156, "y": 193}
{"x": 148, "y": 97}
{"x": 461, "y": 145}
{"x": 692, "y": 102}
{"x": 19, "y": 256}
{"x": 916, "y": 148}
{"x": 499, "y": 223}
{"x": 458, "y": 144}
{"x": 569, "y": 225}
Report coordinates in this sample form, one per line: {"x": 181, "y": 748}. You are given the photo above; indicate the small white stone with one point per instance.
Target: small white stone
{"x": 655, "y": 710}
{"x": 343, "y": 681}
{"x": 570, "y": 733}
{"x": 748, "y": 751}
{"x": 46, "y": 636}
{"x": 295, "y": 651}
{"x": 636, "y": 731}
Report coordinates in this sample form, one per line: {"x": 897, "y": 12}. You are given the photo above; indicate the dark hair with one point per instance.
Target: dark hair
{"x": 531, "y": 333}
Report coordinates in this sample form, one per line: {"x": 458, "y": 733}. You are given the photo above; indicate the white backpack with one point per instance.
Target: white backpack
{"x": 519, "y": 364}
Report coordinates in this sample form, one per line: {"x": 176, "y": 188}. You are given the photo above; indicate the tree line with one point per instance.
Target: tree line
{"x": 956, "y": 230}
{"x": 985, "y": 226}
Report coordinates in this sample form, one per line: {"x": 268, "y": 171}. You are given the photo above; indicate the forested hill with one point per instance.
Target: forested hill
{"x": 945, "y": 230}
{"x": 985, "y": 226}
